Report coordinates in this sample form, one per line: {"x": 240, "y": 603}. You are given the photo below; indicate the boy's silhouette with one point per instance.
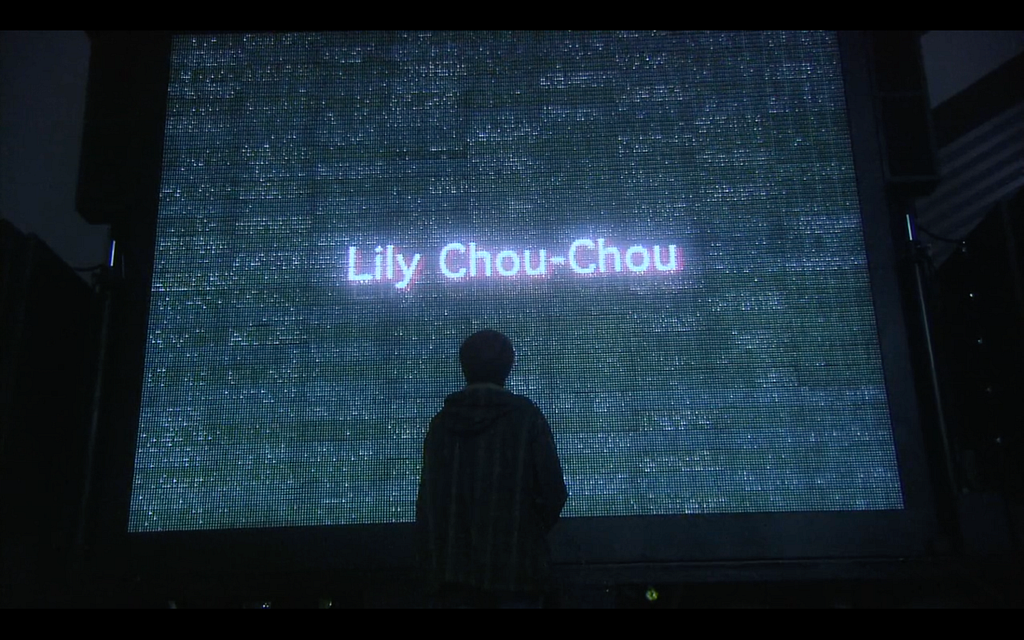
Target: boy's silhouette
{"x": 491, "y": 487}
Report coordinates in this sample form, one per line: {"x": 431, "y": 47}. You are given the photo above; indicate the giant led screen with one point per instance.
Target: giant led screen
{"x": 666, "y": 225}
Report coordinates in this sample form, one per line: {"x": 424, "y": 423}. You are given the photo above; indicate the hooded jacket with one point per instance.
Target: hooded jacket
{"x": 490, "y": 491}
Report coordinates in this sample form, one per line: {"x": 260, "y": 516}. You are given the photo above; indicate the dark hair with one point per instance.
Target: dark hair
{"x": 487, "y": 356}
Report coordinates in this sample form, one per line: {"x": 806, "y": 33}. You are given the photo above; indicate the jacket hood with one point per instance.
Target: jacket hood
{"x": 477, "y": 407}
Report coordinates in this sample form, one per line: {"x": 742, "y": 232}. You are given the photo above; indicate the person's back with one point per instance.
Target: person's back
{"x": 491, "y": 487}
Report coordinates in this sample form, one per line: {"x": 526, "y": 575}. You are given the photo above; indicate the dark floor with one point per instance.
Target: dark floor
{"x": 994, "y": 582}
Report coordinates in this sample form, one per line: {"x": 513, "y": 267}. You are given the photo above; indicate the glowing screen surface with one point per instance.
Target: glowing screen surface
{"x": 667, "y": 226}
